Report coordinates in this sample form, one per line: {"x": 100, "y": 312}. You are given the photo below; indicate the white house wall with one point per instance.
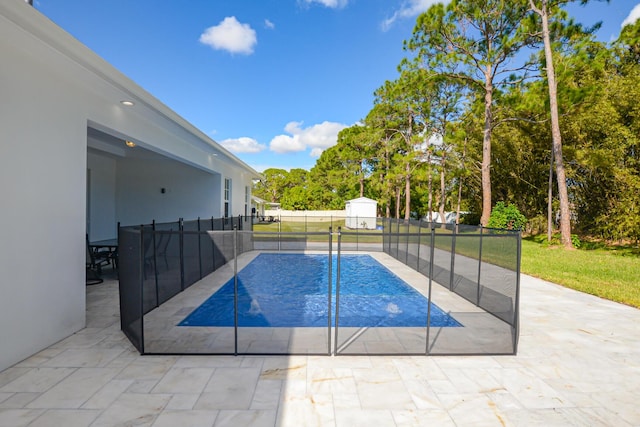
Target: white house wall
{"x": 51, "y": 89}
{"x": 189, "y": 193}
{"x": 102, "y": 197}
{"x": 43, "y": 157}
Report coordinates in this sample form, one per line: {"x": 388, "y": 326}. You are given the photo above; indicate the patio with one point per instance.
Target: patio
{"x": 577, "y": 365}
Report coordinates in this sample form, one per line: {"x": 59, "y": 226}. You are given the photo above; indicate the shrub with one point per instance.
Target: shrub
{"x": 470, "y": 218}
{"x": 506, "y": 217}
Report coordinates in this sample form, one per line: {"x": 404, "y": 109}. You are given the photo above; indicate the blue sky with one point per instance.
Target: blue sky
{"x": 274, "y": 81}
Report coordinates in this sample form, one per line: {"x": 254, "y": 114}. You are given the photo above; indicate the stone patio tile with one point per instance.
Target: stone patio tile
{"x": 19, "y": 400}
{"x": 423, "y": 418}
{"x": 75, "y": 390}
{"x": 83, "y": 358}
{"x": 364, "y": 418}
{"x": 147, "y": 368}
{"x": 37, "y": 380}
{"x": 266, "y": 394}
{"x": 473, "y": 410}
{"x": 306, "y": 410}
{"x": 66, "y": 418}
{"x": 183, "y": 402}
{"x": 184, "y": 380}
{"x": 229, "y": 388}
{"x": 172, "y": 418}
{"x": 252, "y": 418}
{"x": 133, "y": 410}
{"x": 108, "y": 394}
{"x": 18, "y": 417}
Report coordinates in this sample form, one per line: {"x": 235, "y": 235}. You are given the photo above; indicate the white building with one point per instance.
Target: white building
{"x": 65, "y": 171}
{"x": 361, "y": 213}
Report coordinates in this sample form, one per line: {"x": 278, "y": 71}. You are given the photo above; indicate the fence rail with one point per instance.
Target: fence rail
{"x": 469, "y": 274}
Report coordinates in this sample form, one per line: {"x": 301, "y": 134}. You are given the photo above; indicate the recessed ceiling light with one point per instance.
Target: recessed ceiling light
{"x": 127, "y": 103}
{"x": 130, "y": 144}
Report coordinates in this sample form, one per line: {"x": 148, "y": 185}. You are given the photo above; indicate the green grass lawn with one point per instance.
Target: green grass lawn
{"x": 611, "y": 273}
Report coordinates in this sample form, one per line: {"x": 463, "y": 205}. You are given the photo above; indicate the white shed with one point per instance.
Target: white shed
{"x": 361, "y": 213}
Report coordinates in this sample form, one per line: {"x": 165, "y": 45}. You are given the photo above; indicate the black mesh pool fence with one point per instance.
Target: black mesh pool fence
{"x": 468, "y": 274}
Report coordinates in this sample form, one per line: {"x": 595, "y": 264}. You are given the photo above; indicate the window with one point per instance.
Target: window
{"x": 247, "y": 192}
{"x": 227, "y": 196}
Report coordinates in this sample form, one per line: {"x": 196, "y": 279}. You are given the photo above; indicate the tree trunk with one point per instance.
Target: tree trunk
{"x": 361, "y": 180}
{"x": 550, "y": 200}
{"x": 407, "y": 192}
{"x": 565, "y": 213}
{"x": 486, "y": 148}
{"x": 464, "y": 154}
{"x": 398, "y": 202}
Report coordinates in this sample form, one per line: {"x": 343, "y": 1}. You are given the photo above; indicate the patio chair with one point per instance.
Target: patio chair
{"x": 94, "y": 262}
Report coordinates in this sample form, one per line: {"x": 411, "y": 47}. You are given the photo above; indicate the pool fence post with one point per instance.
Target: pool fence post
{"x": 155, "y": 261}
{"x": 397, "y": 239}
{"x": 516, "y": 314}
{"x": 235, "y": 291}
{"x": 213, "y": 246}
{"x": 335, "y": 348}
{"x": 419, "y": 239}
{"x": 431, "y": 259}
{"x": 279, "y": 231}
{"x": 199, "y": 250}
{"x": 406, "y": 255}
{"x": 453, "y": 260}
{"x": 141, "y": 255}
{"x": 479, "y": 267}
{"x": 329, "y": 351}
{"x": 357, "y": 232}
{"x": 389, "y": 237}
{"x": 181, "y": 228}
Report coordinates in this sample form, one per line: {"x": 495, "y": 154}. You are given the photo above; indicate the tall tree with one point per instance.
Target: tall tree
{"x": 474, "y": 41}
{"x": 545, "y": 9}
{"x": 406, "y": 102}
{"x": 356, "y": 149}
{"x": 272, "y": 187}
{"x": 385, "y": 140}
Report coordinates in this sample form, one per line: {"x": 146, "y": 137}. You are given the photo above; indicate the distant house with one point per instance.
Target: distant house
{"x": 257, "y": 206}
{"x": 82, "y": 147}
{"x": 361, "y": 213}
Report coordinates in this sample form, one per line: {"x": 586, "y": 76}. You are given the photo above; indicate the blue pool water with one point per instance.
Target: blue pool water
{"x": 290, "y": 290}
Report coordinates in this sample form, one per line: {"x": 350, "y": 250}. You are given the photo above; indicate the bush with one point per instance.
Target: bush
{"x": 470, "y": 218}
{"x": 506, "y": 217}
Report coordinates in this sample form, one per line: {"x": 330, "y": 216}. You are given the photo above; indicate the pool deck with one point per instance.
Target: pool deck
{"x": 578, "y": 364}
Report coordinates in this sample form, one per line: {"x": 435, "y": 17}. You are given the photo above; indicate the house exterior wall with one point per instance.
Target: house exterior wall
{"x": 52, "y": 88}
{"x": 189, "y": 192}
{"x": 42, "y": 182}
{"x": 101, "y": 197}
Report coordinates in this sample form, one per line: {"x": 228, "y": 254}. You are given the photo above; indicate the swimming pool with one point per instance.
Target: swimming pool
{"x": 290, "y": 290}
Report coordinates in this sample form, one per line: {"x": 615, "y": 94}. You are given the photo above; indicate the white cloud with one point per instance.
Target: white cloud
{"x": 634, "y": 15}
{"x": 243, "y": 145}
{"x": 317, "y": 137}
{"x": 316, "y": 152}
{"x": 410, "y": 9}
{"x": 333, "y": 4}
{"x": 269, "y": 25}
{"x": 230, "y": 35}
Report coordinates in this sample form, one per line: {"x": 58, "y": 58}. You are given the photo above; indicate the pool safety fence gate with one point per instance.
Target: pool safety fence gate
{"x": 468, "y": 274}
